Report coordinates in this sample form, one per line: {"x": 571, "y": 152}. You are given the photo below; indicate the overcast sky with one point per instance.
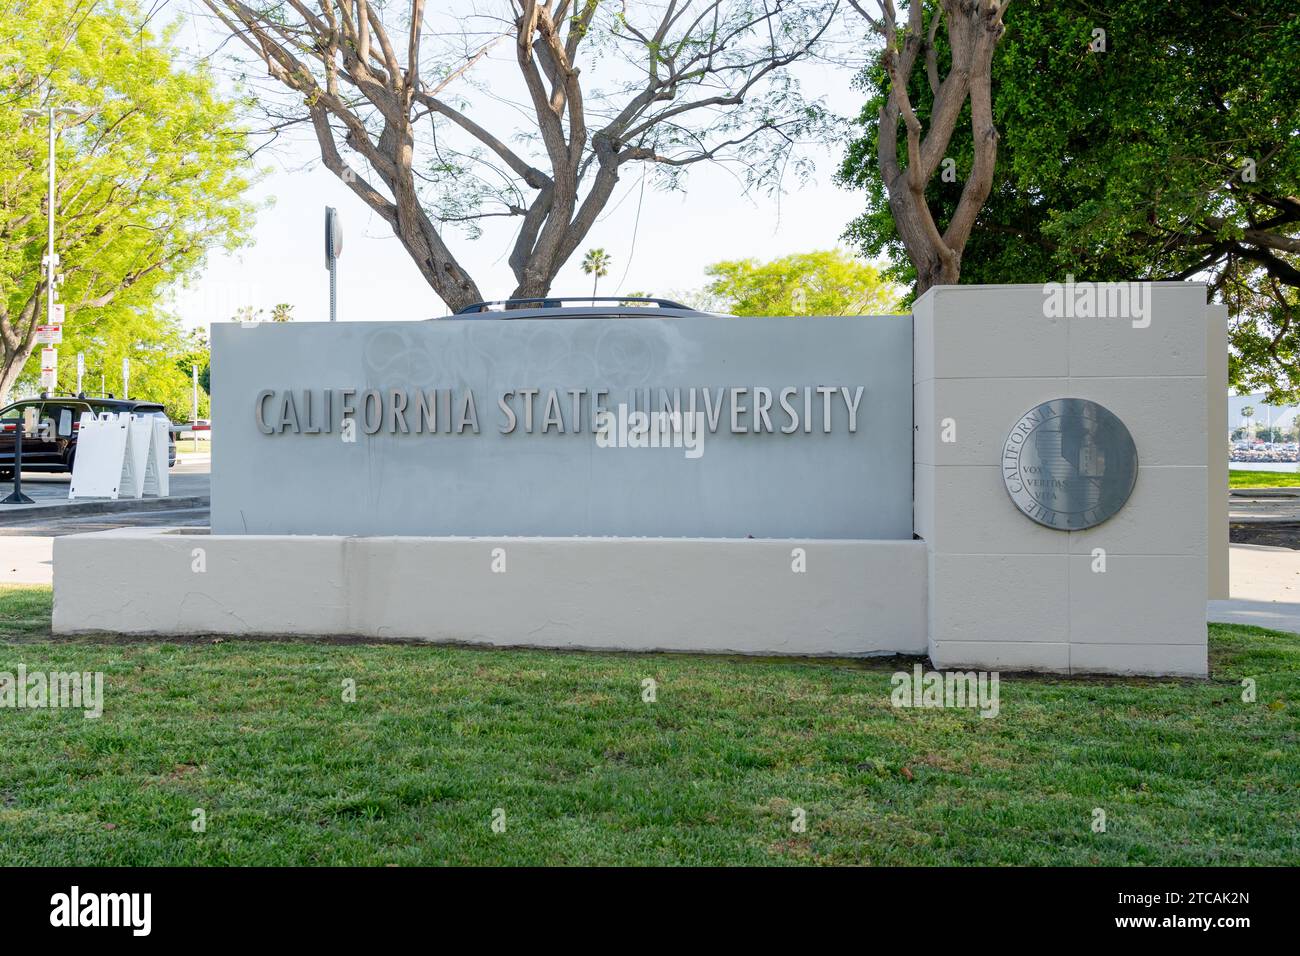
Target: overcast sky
{"x": 660, "y": 242}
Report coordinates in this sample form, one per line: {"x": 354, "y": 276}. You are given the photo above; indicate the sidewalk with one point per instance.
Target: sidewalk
{"x": 1265, "y": 584}
{"x": 26, "y": 560}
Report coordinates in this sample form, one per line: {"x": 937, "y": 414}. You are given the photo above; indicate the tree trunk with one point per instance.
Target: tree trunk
{"x": 9, "y": 375}
{"x": 935, "y": 270}
{"x": 534, "y": 286}
{"x": 973, "y": 32}
{"x": 17, "y": 344}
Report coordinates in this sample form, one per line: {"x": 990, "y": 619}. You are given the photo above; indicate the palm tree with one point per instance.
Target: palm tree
{"x": 596, "y": 263}
{"x": 282, "y": 312}
{"x": 1248, "y": 413}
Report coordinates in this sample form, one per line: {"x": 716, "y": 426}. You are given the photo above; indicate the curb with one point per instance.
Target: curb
{"x": 19, "y": 514}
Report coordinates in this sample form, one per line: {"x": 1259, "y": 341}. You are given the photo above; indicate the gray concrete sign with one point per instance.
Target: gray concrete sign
{"x": 695, "y": 427}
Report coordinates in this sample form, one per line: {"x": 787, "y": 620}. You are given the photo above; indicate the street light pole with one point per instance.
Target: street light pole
{"x": 50, "y": 255}
{"x": 51, "y": 263}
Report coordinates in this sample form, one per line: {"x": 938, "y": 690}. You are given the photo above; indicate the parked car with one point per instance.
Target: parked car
{"x": 53, "y": 447}
{"x": 593, "y": 307}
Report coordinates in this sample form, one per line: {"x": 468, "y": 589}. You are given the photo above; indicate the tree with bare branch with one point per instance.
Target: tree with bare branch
{"x": 911, "y": 55}
{"x": 401, "y": 117}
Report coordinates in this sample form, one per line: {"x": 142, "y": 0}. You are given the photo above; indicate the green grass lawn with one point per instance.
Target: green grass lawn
{"x": 1240, "y": 478}
{"x": 194, "y": 446}
{"x": 257, "y": 734}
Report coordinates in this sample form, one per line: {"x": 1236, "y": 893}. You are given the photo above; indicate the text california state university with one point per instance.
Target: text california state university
{"x": 738, "y": 409}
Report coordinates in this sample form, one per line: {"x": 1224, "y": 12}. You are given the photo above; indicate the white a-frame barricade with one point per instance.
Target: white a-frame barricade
{"x": 101, "y": 449}
{"x": 120, "y": 456}
{"x": 136, "y": 459}
{"x": 155, "y": 469}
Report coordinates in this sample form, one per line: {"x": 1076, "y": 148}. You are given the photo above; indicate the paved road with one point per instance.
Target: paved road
{"x": 80, "y": 524}
{"x": 25, "y": 549}
{"x": 1264, "y": 504}
{"x": 186, "y": 478}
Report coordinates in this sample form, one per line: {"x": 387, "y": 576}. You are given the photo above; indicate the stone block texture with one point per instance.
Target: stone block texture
{"x": 1007, "y": 593}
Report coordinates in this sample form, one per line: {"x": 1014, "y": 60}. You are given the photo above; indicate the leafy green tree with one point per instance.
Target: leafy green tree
{"x": 150, "y": 175}
{"x": 825, "y": 282}
{"x": 596, "y": 264}
{"x": 195, "y": 355}
{"x": 635, "y": 295}
{"x": 1139, "y": 141}
{"x": 161, "y": 356}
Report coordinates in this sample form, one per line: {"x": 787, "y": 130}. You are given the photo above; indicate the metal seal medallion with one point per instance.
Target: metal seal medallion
{"x": 1069, "y": 464}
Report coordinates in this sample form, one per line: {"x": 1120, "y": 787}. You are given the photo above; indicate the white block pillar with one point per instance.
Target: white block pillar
{"x": 1006, "y": 593}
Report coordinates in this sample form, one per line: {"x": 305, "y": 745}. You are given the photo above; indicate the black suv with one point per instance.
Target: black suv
{"x": 53, "y": 446}
{"x": 593, "y": 307}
